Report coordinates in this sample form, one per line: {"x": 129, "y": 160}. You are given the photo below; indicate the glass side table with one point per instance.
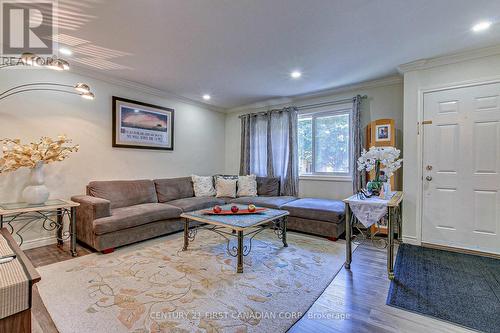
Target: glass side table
{"x": 51, "y": 213}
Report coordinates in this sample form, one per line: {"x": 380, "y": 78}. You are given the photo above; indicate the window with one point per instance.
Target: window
{"x": 325, "y": 143}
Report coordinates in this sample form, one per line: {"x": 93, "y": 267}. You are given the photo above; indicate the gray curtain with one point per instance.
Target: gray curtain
{"x": 291, "y": 168}
{"x": 269, "y": 147}
{"x": 245, "y": 145}
{"x": 358, "y": 178}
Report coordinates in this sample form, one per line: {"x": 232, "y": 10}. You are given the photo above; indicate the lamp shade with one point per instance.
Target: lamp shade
{"x": 82, "y": 87}
{"x": 29, "y": 59}
{"x": 88, "y": 95}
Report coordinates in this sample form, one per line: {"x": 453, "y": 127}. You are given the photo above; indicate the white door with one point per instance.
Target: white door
{"x": 461, "y": 168}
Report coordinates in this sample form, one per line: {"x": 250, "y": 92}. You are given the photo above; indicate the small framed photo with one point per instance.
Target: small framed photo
{"x": 383, "y": 132}
{"x": 141, "y": 125}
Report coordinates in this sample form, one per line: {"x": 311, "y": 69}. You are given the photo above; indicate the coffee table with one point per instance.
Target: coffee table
{"x": 240, "y": 227}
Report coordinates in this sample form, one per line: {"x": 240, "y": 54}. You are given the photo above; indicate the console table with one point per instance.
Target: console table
{"x": 393, "y": 206}
{"x": 52, "y": 214}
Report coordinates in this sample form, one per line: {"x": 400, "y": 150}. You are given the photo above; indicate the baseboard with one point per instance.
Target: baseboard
{"x": 461, "y": 250}
{"x": 32, "y": 243}
{"x": 411, "y": 240}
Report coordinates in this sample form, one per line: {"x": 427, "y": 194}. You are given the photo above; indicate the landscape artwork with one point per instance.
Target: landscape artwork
{"x": 141, "y": 125}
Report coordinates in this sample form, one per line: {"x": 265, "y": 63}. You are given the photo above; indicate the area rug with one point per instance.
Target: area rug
{"x": 459, "y": 288}
{"x": 153, "y": 286}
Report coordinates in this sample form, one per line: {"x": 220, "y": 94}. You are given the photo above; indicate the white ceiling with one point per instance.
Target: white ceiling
{"x": 242, "y": 51}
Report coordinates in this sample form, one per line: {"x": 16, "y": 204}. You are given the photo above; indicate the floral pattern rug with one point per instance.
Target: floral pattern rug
{"x": 153, "y": 286}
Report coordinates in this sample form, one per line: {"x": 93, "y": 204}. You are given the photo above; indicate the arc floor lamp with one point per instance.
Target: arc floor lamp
{"x": 30, "y": 59}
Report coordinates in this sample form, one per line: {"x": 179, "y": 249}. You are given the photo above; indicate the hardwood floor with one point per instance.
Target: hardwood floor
{"x": 41, "y": 321}
{"x": 353, "y": 302}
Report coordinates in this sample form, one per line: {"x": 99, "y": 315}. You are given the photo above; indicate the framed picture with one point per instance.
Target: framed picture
{"x": 141, "y": 125}
{"x": 383, "y": 132}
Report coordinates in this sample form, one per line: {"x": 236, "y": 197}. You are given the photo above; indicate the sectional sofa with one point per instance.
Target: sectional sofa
{"x": 116, "y": 213}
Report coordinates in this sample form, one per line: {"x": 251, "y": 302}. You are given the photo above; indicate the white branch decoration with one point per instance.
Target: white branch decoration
{"x": 46, "y": 150}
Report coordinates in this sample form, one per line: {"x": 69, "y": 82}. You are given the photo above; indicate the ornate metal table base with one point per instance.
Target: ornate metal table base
{"x": 51, "y": 220}
{"x": 241, "y": 250}
{"x": 394, "y": 213}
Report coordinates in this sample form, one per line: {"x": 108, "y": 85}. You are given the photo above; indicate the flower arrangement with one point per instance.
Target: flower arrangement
{"x": 46, "y": 150}
{"x": 387, "y": 156}
{"x": 377, "y": 157}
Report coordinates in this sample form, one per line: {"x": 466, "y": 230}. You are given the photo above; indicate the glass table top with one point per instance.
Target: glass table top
{"x": 241, "y": 221}
{"x": 22, "y": 205}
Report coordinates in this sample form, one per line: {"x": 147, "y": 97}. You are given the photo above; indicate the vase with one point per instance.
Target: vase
{"x": 375, "y": 185}
{"x": 36, "y": 192}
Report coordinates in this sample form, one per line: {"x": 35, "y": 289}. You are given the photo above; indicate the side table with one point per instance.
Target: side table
{"x": 393, "y": 206}
{"x": 52, "y": 214}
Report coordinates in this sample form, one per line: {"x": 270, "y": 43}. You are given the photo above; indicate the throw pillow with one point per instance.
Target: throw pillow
{"x": 203, "y": 186}
{"x": 247, "y": 186}
{"x": 225, "y": 187}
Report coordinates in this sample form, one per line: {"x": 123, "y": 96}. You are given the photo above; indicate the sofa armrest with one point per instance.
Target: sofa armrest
{"x": 90, "y": 209}
{"x": 94, "y": 208}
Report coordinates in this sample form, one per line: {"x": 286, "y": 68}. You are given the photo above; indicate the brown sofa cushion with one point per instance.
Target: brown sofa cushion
{"x": 269, "y": 202}
{"x": 195, "y": 203}
{"x": 327, "y": 210}
{"x": 123, "y": 193}
{"x": 173, "y": 188}
{"x": 132, "y": 216}
{"x": 268, "y": 186}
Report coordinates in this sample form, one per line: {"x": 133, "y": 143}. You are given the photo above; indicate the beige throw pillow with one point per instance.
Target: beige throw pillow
{"x": 247, "y": 186}
{"x": 203, "y": 186}
{"x": 225, "y": 187}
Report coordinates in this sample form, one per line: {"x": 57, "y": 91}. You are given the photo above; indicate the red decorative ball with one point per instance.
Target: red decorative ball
{"x": 235, "y": 209}
{"x": 217, "y": 209}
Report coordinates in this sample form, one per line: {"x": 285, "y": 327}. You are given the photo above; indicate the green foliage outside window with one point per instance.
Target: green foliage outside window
{"x": 331, "y": 141}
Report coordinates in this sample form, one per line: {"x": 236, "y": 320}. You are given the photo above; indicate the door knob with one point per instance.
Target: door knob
{"x": 429, "y": 178}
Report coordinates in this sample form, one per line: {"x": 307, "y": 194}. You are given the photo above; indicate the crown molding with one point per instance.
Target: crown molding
{"x": 452, "y": 58}
{"x": 76, "y": 69}
{"x": 275, "y": 102}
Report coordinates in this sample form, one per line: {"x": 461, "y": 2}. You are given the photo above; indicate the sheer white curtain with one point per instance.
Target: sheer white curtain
{"x": 258, "y": 155}
{"x": 269, "y": 147}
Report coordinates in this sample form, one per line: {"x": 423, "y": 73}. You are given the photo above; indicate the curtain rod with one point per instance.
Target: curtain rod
{"x": 310, "y": 106}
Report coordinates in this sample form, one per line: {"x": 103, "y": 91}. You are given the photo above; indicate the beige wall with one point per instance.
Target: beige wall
{"x": 415, "y": 81}
{"x": 206, "y": 141}
{"x": 199, "y": 136}
{"x": 385, "y": 100}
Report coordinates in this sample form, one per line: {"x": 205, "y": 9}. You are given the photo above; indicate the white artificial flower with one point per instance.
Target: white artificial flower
{"x": 387, "y": 156}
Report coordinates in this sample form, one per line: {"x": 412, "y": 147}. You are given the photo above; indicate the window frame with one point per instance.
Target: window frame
{"x": 335, "y": 110}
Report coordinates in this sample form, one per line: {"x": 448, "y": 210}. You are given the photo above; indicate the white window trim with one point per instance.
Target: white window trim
{"x": 317, "y": 177}
{"x": 329, "y": 176}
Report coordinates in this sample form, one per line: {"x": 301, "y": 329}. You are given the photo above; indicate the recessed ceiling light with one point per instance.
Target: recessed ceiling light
{"x": 295, "y": 74}
{"x": 206, "y": 97}
{"x": 481, "y": 26}
{"x": 65, "y": 51}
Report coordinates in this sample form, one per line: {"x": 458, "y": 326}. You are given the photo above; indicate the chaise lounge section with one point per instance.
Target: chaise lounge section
{"x": 121, "y": 212}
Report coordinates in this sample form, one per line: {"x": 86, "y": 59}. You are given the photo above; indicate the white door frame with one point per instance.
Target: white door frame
{"x": 420, "y": 138}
